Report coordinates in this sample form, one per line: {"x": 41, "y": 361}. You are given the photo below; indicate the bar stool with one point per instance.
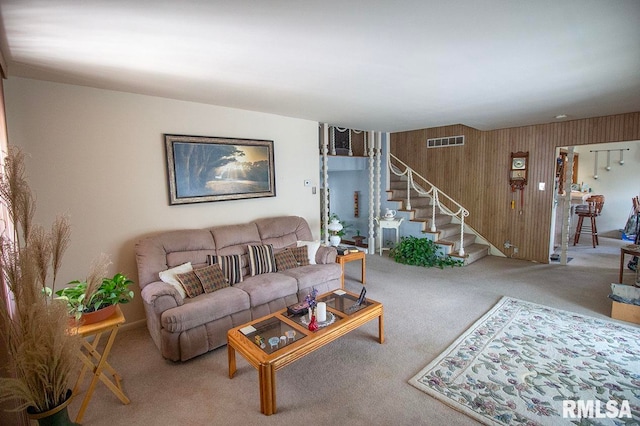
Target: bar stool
{"x": 591, "y": 210}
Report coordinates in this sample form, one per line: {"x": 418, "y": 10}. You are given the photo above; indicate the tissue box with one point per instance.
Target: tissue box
{"x": 623, "y": 299}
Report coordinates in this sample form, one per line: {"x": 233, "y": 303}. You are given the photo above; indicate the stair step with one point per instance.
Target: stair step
{"x": 444, "y": 232}
{"x": 441, "y": 219}
{"x": 454, "y": 241}
{"x": 420, "y": 201}
{"x": 472, "y": 253}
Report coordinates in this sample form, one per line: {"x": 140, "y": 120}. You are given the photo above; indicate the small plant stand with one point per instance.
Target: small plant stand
{"x": 96, "y": 361}
{"x": 387, "y": 224}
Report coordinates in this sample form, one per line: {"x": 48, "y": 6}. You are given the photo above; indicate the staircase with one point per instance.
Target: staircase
{"x": 443, "y": 227}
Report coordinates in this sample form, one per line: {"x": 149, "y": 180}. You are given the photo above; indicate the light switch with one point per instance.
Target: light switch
{"x": 541, "y": 186}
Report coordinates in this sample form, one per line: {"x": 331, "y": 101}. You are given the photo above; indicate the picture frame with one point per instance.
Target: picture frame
{"x": 205, "y": 169}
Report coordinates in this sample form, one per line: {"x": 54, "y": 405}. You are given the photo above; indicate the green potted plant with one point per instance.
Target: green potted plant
{"x": 358, "y": 239}
{"x": 95, "y": 299}
{"x": 421, "y": 252}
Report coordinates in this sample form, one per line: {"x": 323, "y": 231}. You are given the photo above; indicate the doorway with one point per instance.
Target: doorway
{"x": 610, "y": 169}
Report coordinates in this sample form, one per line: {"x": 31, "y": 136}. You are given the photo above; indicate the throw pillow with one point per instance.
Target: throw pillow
{"x": 285, "y": 260}
{"x": 169, "y": 277}
{"x": 231, "y": 267}
{"x": 191, "y": 283}
{"x": 301, "y": 254}
{"x": 313, "y": 247}
{"x": 211, "y": 278}
{"x": 261, "y": 259}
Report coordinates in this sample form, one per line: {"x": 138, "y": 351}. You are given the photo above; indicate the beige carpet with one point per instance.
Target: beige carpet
{"x": 354, "y": 381}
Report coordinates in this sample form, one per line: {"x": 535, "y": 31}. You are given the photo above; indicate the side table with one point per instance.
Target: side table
{"x": 387, "y": 224}
{"x": 633, "y": 250}
{"x": 350, "y": 257}
{"x": 96, "y": 361}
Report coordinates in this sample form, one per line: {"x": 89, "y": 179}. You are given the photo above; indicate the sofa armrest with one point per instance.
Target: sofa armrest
{"x": 161, "y": 296}
{"x": 326, "y": 254}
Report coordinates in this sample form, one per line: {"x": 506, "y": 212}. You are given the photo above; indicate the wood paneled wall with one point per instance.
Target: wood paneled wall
{"x": 476, "y": 174}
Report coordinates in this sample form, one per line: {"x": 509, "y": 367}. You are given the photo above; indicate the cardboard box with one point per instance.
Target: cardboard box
{"x": 625, "y": 311}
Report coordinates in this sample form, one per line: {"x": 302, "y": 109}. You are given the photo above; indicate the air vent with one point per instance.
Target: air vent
{"x": 442, "y": 142}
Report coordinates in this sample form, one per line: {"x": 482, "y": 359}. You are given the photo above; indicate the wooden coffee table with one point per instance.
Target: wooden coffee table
{"x": 298, "y": 341}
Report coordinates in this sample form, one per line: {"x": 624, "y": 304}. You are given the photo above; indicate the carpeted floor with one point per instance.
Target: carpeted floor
{"x": 525, "y": 364}
{"x": 354, "y": 380}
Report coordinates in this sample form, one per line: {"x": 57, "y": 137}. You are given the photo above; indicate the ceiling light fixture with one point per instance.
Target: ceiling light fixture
{"x": 561, "y": 116}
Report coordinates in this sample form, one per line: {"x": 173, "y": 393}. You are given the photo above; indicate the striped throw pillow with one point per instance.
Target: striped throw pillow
{"x": 261, "y": 260}
{"x": 231, "y": 267}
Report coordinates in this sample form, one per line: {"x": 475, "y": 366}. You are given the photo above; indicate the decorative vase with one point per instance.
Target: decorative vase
{"x": 97, "y": 316}
{"x": 313, "y": 324}
{"x": 57, "y": 416}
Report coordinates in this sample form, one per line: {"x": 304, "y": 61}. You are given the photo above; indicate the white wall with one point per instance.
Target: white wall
{"x": 98, "y": 156}
{"x": 619, "y": 185}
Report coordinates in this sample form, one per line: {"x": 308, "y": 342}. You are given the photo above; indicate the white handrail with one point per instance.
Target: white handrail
{"x": 434, "y": 193}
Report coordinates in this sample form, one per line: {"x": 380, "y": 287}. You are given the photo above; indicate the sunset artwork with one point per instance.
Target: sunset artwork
{"x": 215, "y": 170}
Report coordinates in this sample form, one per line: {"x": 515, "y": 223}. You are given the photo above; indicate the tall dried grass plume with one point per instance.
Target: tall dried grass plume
{"x": 43, "y": 352}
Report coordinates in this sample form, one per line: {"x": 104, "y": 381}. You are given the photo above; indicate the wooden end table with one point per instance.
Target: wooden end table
{"x": 350, "y": 257}
{"x": 96, "y": 361}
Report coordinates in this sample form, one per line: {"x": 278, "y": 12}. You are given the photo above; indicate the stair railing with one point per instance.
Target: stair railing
{"x": 434, "y": 193}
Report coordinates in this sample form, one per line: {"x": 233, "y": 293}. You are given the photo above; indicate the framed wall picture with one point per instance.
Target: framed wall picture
{"x": 204, "y": 169}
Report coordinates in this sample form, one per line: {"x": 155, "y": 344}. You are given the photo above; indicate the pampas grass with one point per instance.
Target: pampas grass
{"x": 43, "y": 351}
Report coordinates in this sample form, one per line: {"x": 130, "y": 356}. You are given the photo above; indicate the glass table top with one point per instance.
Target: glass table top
{"x": 272, "y": 334}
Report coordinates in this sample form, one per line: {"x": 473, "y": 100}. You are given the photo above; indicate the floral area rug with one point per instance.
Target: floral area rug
{"x": 527, "y": 364}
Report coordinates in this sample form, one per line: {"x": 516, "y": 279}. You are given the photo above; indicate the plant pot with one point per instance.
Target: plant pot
{"x": 57, "y": 416}
{"x": 97, "y": 316}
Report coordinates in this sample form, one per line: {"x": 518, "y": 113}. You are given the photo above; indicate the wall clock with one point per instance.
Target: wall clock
{"x": 519, "y": 170}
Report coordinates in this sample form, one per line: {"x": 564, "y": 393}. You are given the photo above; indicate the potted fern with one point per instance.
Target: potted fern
{"x": 95, "y": 299}
{"x": 43, "y": 354}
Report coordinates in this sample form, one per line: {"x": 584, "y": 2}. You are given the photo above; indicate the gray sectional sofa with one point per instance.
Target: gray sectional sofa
{"x": 185, "y": 327}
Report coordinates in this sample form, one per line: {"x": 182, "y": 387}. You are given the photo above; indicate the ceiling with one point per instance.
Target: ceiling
{"x": 367, "y": 64}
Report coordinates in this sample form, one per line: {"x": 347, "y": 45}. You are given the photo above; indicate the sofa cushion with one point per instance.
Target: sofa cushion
{"x": 301, "y": 255}
{"x": 285, "y": 260}
{"x": 261, "y": 260}
{"x": 231, "y": 267}
{"x": 283, "y": 231}
{"x": 169, "y": 277}
{"x": 212, "y": 278}
{"x": 267, "y": 287}
{"x": 191, "y": 283}
{"x": 204, "y": 309}
{"x": 310, "y": 275}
